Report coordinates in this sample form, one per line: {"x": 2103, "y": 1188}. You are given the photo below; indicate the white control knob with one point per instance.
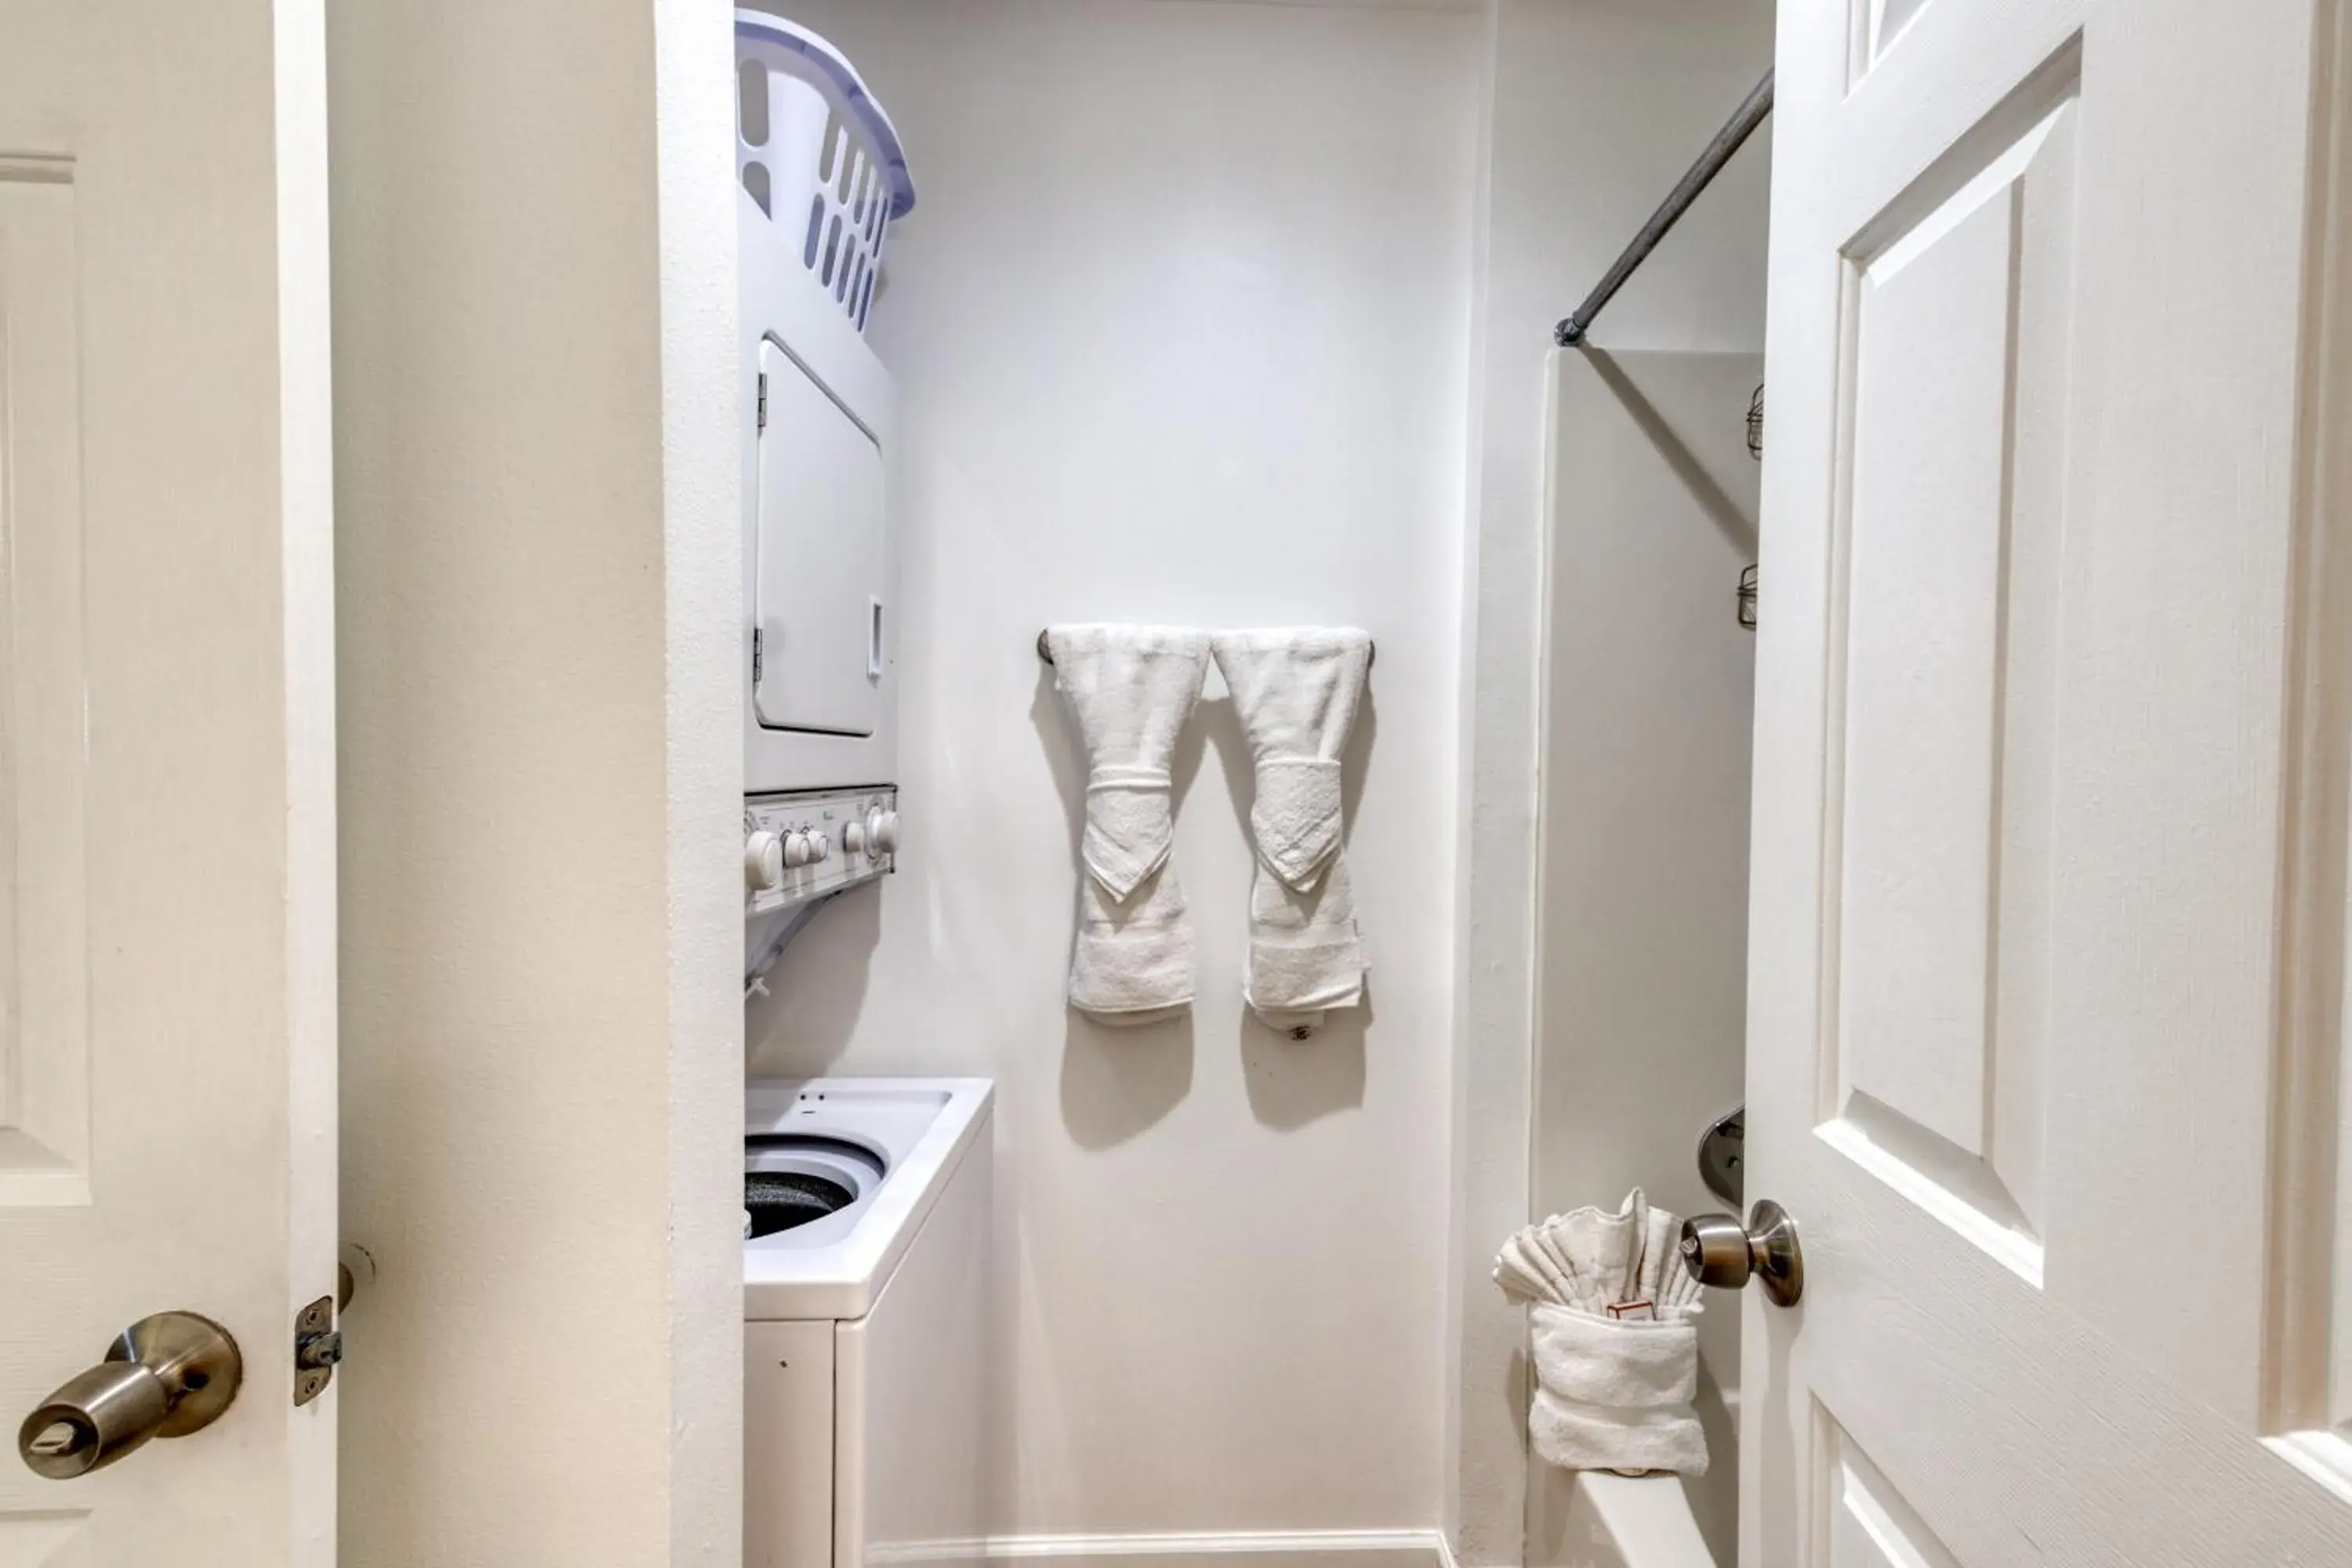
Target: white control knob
{"x": 884, "y": 833}
{"x": 820, "y": 846}
{"x": 854, "y": 838}
{"x": 798, "y": 851}
{"x": 764, "y": 860}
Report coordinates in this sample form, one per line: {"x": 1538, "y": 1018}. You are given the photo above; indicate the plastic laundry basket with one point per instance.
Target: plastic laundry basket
{"x": 818, "y": 155}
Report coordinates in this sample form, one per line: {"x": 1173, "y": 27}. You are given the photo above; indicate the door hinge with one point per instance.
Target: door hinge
{"x": 759, "y": 654}
{"x": 763, "y": 400}
{"x": 318, "y": 1346}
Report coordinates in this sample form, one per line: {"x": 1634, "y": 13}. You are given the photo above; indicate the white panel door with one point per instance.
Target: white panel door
{"x": 2047, "y": 932}
{"x": 820, "y": 558}
{"x": 167, "y": 930}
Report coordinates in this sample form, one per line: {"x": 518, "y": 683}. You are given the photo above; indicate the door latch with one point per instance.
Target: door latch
{"x": 318, "y": 1346}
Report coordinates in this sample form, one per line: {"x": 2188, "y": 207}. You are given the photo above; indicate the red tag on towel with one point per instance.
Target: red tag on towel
{"x": 1638, "y": 1310}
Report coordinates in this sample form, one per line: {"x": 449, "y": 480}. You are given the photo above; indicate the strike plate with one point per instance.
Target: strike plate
{"x": 317, "y": 1347}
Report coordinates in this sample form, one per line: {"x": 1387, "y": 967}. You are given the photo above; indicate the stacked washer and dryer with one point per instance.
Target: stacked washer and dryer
{"x": 865, "y": 1202}
{"x": 819, "y": 171}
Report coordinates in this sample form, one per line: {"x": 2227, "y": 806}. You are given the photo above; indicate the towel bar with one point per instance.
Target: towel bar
{"x": 1371, "y": 653}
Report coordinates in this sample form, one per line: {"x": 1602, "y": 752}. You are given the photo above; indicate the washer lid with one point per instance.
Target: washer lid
{"x": 891, "y": 1116}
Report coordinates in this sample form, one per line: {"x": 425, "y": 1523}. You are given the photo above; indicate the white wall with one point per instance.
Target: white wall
{"x": 538, "y": 531}
{"x": 1182, "y": 321}
{"x": 1595, "y": 107}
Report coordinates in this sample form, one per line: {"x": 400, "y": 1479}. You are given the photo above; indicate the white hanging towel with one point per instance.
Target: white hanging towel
{"x": 1296, "y": 692}
{"x": 1131, "y": 690}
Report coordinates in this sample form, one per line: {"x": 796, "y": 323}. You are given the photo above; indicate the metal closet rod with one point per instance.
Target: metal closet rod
{"x": 1570, "y": 332}
{"x": 1371, "y": 653}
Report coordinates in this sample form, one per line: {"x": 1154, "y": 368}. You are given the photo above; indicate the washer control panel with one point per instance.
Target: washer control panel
{"x": 808, "y": 845}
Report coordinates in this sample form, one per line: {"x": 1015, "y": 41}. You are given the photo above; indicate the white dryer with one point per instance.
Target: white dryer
{"x": 866, "y": 1298}
{"x": 820, "y": 429}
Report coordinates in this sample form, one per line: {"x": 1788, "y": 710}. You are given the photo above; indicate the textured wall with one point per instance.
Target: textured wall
{"x": 540, "y": 773}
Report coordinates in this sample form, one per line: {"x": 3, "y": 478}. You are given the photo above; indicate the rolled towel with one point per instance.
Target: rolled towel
{"x": 1615, "y": 1393}
{"x": 1296, "y": 692}
{"x": 1130, "y": 690}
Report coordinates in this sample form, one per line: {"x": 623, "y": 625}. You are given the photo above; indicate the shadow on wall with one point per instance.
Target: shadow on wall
{"x": 1295, "y": 1082}
{"x": 838, "y": 944}
{"x": 1738, "y": 522}
{"x": 1118, "y": 1083}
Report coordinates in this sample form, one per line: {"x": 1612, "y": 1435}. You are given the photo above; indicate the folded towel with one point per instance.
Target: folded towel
{"x": 1635, "y": 1364}
{"x": 1594, "y": 1259}
{"x": 1130, "y": 689}
{"x": 1600, "y": 1252}
{"x": 1597, "y": 1437}
{"x": 1296, "y": 692}
{"x": 1615, "y": 1394}
{"x": 1614, "y": 1338}
{"x": 1528, "y": 1273}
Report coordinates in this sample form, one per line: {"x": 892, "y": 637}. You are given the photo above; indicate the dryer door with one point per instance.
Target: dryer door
{"x": 820, "y": 560}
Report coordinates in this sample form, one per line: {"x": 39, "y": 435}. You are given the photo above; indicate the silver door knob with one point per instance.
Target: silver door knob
{"x": 163, "y": 1376}
{"x": 1718, "y": 1250}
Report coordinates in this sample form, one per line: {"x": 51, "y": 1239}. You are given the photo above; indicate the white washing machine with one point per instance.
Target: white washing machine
{"x": 867, "y": 1304}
